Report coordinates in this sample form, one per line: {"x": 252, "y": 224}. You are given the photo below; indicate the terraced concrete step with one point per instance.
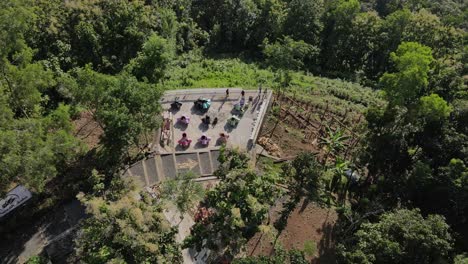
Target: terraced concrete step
{"x": 166, "y": 166}
{"x": 169, "y": 168}
{"x": 204, "y": 159}
{"x": 151, "y": 171}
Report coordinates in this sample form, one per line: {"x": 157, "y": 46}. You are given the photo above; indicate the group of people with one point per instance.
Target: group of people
{"x": 204, "y": 140}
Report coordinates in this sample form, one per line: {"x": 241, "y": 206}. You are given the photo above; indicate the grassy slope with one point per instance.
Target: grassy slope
{"x": 210, "y": 73}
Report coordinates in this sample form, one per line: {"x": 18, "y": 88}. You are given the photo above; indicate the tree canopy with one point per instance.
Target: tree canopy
{"x": 126, "y": 229}
{"x": 402, "y": 236}
{"x": 237, "y": 206}
{"x": 412, "y": 61}
{"x": 62, "y": 61}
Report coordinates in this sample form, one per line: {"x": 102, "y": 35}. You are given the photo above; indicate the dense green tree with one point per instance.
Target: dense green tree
{"x": 304, "y": 173}
{"x": 304, "y": 20}
{"x": 460, "y": 115}
{"x": 229, "y": 23}
{"x": 412, "y": 61}
{"x": 36, "y": 141}
{"x": 37, "y": 260}
{"x": 6, "y": 115}
{"x": 391, "y": 35}
{"x": 34, "y": 151}
{"x": 414, "y": 144}
{"x": 125, "y": 108}
{"x": 451, "y": 12}
{"x": 151, "y": 63}
{"x": 402, "y": 236}
{"x": 269, "y": 24}
{"x": 183, "y": 191}
{"x": 338, "y": 26}
{"x": 387, "y": 7}
{"x": 288, "y": 53}
{"x": 461, "y": 259}
{"x": 16, "y": 18}
{"x": 129, "y": 229}
{"x": 434, "y": 108}
{"x": 107, "y": 34}
{"x": 362, "y": 54}
{"x": 427, "y": 29}
{"x": 238, "y": 205}
{"x": 239, "y": 24}
{"x": 188, "y": 33}
{"x": 446, "y": 78}
{"x": 25, "y": 85}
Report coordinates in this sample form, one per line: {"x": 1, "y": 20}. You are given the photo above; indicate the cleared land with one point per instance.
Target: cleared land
{"x": 309, "y": 227}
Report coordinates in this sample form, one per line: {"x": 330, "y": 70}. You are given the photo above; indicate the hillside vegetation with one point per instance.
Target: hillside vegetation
{"x": 221, "y": 73}
{"x": 395, "y": 171}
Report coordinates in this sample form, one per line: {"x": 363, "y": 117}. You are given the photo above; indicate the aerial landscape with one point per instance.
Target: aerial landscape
{"x": 234, "y": 131}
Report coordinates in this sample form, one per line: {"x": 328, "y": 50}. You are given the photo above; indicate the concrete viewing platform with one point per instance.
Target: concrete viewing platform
{"x": 168, "y": 159}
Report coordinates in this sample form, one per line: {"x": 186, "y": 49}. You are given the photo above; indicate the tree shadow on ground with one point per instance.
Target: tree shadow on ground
{"x": 288, "y": 207}
{"x": 48, "y": 215}
{"x": 326, "y": 245}
{"x": 304, "y": 205}
{"x": 327, "y": 252}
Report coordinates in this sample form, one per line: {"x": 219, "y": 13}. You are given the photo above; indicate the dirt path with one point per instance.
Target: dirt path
{"x": 30, "y": 240}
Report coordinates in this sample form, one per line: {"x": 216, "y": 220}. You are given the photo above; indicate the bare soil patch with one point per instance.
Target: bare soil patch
{"x": 290, "y": 140}
{"x": 308, "y": 223}
{"x": 87, "y": 129}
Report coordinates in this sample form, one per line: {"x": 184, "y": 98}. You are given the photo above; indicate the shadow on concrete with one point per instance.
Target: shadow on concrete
{"x": 173, "y": 110}
{"x": 30, "y": 239}
{"x": 195, "y": 111}
{"x": 219, "y": 142}
{"x": 29, "y": 229}
{"x": 221, "y": 106}
{"x": 180, "y": 148}
{"x": 199, "y": 145}
{"x": 181, "y": 126}
{"x": 203, "y": 127}
{"x": 215, "y": 122}
{"x": 255, "y": 105}
{"x": 228, "y": 128}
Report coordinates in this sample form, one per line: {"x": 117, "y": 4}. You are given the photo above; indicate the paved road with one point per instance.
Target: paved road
{"x": 31, "y": 238}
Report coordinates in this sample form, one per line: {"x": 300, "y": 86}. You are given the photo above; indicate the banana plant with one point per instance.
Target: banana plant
{"x": 333, "y": 142}
{"x": 337, "y": 182}
{"x": 339, "y": 177}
